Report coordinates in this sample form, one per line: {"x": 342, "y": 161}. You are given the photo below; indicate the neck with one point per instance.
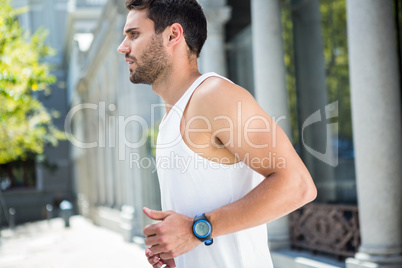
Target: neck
{"x": 172, "y": 86}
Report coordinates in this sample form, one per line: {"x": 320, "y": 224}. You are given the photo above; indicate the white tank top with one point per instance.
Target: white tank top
{"x": 191, "y": 184}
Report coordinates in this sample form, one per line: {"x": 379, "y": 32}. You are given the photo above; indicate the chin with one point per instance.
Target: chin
{"x": 138, "y": 80}
{"x": 133, "y": 80}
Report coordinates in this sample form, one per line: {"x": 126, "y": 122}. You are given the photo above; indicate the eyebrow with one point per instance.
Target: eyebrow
{"x": 130, "y": 30}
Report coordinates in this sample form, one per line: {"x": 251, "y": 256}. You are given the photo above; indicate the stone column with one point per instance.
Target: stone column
{"x": 213, "y": 54}
{"x": 269, "y": 66}
{"x": 127, "y": 215}
{"x": 312, "y": 97}
{"x": 100, "y": 149}
{"x": 376, "y": 114}
{"x": 92, "y": 184}
{"x": 270, "y": 85}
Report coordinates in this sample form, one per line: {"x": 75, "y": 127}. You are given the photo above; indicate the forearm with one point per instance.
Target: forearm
{"x": 276, "y": 196}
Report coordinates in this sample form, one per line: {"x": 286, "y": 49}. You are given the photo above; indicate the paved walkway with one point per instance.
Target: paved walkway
{"x": 50, "y": 245}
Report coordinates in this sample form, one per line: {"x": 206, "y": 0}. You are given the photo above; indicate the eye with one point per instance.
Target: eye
{"x": 134, "y": 34}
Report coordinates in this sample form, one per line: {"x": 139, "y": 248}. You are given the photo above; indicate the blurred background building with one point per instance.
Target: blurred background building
{"x": 327, "y": 71}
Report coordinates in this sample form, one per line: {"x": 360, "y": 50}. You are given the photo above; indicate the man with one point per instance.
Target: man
{"x": 213, "y": 214}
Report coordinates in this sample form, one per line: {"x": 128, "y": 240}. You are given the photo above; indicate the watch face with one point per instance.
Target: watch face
{"x": 202, "y": 228}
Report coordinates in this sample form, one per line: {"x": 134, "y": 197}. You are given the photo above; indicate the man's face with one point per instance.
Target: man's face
{"x": 145, "y": 54}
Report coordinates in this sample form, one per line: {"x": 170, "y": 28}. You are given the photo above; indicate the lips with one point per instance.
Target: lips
{"x": 129, "y": 61}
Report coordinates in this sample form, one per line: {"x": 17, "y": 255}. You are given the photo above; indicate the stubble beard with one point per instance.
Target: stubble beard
{"x": 154, "y": 64}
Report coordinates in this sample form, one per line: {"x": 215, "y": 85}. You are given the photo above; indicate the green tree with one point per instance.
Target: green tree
{"x": 25, "y": 124}
{"x": 334, "y": 34}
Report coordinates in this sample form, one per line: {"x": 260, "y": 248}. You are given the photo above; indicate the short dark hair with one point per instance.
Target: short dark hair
{"x": 188, "y": 13}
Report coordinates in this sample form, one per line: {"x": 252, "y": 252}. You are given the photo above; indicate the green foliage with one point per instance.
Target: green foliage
{"x": 334, "y": 34}
{"x": 152, "y": 135}
{"x": 25, "y": 124}
{"x": 334, "y": 31}
{"x": 290, "y": 71}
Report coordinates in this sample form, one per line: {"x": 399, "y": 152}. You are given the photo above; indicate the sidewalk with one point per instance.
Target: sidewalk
{"x": 44, "y": 245}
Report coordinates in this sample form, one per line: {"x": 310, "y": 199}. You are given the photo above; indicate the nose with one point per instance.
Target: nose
{"x": 123, "y": 48}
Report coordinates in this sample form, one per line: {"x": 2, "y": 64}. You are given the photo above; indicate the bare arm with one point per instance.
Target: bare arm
{"x": 287, "y": 184}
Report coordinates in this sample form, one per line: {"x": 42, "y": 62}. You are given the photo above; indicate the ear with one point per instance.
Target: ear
{"x": 175, "y": 34}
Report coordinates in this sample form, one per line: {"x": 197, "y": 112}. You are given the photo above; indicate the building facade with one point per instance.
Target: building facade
{"x": 279, "y": 51}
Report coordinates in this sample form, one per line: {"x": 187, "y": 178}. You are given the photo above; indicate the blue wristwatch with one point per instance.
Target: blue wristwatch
{"x": 202, "y": 229}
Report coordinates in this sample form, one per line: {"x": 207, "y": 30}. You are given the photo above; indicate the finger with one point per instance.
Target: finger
{"x": 158, "y": 265}
{"x": 155, "y": 214}
{"x": 151, "y": 240}
{"x": 151, "y": 230}
{"x": 157, "y": 249}
{"x": 148, "y": 252}
{"x": 166, "y": 255}
{"x": 154, "y": 260}
{"x": 170, "y": 263}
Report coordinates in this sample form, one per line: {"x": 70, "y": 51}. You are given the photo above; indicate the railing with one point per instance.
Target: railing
{"x": 331, "y": 229}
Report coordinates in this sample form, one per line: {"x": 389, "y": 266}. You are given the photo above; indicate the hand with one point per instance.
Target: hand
{"x": 157, "y": 262}
{"x": 172, "y": 236}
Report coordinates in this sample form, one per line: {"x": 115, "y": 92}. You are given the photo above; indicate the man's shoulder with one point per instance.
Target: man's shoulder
{"x": 217, "y": 95}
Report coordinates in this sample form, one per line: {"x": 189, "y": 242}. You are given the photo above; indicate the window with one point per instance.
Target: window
{"x": 17, "y": 175}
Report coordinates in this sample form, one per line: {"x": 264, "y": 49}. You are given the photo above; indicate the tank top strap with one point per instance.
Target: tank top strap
{"x": 180, "y": 106}
{"x": 182, "y": 103}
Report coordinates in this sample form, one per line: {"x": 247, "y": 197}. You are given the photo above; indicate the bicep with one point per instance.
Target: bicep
{"x": 252, "y": 136}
